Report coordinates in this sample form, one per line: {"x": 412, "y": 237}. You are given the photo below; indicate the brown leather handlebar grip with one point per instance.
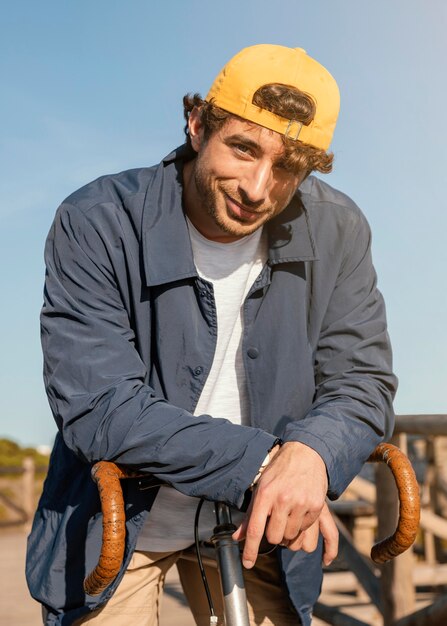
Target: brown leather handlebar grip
{"x": 409, "y": 504}
{"x": 107, "y": 476}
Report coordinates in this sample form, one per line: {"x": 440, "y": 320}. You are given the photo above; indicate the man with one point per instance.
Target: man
{"x": 195, "y": 312}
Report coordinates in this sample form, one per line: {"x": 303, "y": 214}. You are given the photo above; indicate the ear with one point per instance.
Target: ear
{"x": 195, "y": 129}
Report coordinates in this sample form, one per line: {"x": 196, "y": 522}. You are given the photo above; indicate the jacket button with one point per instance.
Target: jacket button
{"x": 253, "y": 353}
{"x": 203, "y": 293}
{"x": 198, "y": 371}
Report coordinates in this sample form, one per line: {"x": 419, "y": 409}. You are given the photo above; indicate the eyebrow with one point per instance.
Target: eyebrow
{"x": 243, "y": 139}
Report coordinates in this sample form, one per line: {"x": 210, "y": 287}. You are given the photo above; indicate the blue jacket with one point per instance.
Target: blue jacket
{"x": 129, "y": 331}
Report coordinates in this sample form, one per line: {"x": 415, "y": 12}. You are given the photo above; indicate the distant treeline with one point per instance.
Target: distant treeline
{"x": 12, "y": 454}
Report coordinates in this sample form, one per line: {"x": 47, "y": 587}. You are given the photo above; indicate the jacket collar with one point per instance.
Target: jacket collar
{"x": 167, "y": 252}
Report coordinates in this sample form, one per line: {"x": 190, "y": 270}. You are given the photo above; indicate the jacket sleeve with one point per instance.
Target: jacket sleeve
{"x": 352, "y": 409}
{"x": 95, "y": 377}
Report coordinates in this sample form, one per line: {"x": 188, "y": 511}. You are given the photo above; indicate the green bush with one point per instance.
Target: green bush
{"x": 12, "y": 455}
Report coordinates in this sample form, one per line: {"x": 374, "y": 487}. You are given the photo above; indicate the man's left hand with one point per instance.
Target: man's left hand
{"x": 289, "y": 499}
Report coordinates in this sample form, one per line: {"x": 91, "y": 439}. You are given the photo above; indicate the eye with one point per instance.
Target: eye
{"x": 242, "y": 148}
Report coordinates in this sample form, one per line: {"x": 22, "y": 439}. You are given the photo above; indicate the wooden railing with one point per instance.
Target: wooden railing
{"x": 392, "y": 587}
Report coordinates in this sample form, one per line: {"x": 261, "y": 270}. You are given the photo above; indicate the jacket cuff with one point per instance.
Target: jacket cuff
{"x": 248, "y": 468}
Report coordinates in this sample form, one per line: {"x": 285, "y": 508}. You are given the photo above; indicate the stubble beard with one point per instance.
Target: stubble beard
{"x": 209, "y": 200}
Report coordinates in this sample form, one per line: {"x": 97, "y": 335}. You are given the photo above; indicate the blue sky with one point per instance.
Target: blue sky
{"x": 92, "y": 87}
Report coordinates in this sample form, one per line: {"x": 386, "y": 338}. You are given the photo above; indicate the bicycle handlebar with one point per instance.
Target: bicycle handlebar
{"x": 409, "y": 503}
{"x": 107, "y": 475}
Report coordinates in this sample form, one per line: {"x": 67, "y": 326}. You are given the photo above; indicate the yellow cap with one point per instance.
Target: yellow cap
{"x": 253, "y": 67}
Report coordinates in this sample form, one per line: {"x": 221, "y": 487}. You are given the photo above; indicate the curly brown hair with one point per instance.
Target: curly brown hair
{"x": 283, "y": 100}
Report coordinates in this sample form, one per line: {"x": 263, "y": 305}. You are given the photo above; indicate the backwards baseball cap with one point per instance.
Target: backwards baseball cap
{"x": 253, "y": 67}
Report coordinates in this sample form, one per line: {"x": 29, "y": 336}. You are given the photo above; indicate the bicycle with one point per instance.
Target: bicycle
{"x": 107, "y": 475}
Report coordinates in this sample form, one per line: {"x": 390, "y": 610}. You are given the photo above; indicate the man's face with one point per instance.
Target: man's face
{"x": 238, "y": 180}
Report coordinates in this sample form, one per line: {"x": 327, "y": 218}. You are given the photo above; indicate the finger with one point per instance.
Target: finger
{"x": 329, "y": 532}
{"x": 307, "y": 540}
{"x": 310, "y": 539}
{"x": 284, "y": 526}
{"x": 276, "y": 526}
{"x": 294, "y": 527}
{"x": 241, "y": 531}
{"x": 296, "y": 543}
{"x": 254, "y": 532}
{"x": 310, "y": 518}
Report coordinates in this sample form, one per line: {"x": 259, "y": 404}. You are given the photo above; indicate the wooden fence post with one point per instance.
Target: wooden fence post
{"x": 28, "y": 489}
{"x": 438, "y": 498}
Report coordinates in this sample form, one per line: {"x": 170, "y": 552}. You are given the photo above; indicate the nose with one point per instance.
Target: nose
{"x": 256, "y": 181}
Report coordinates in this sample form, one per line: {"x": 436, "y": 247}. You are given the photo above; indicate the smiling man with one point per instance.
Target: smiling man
{"x": 214, "y": 322}
{"x": 238, "y": 181}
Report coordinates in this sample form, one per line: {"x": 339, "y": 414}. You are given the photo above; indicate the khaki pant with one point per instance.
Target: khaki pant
{"x": 137, "y": 599}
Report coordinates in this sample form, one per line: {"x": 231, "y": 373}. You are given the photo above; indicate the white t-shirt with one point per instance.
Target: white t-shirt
{"x": 232, "y": 268}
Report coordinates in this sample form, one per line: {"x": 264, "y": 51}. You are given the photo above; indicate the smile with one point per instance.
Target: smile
{"x": 239, "y": 211}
